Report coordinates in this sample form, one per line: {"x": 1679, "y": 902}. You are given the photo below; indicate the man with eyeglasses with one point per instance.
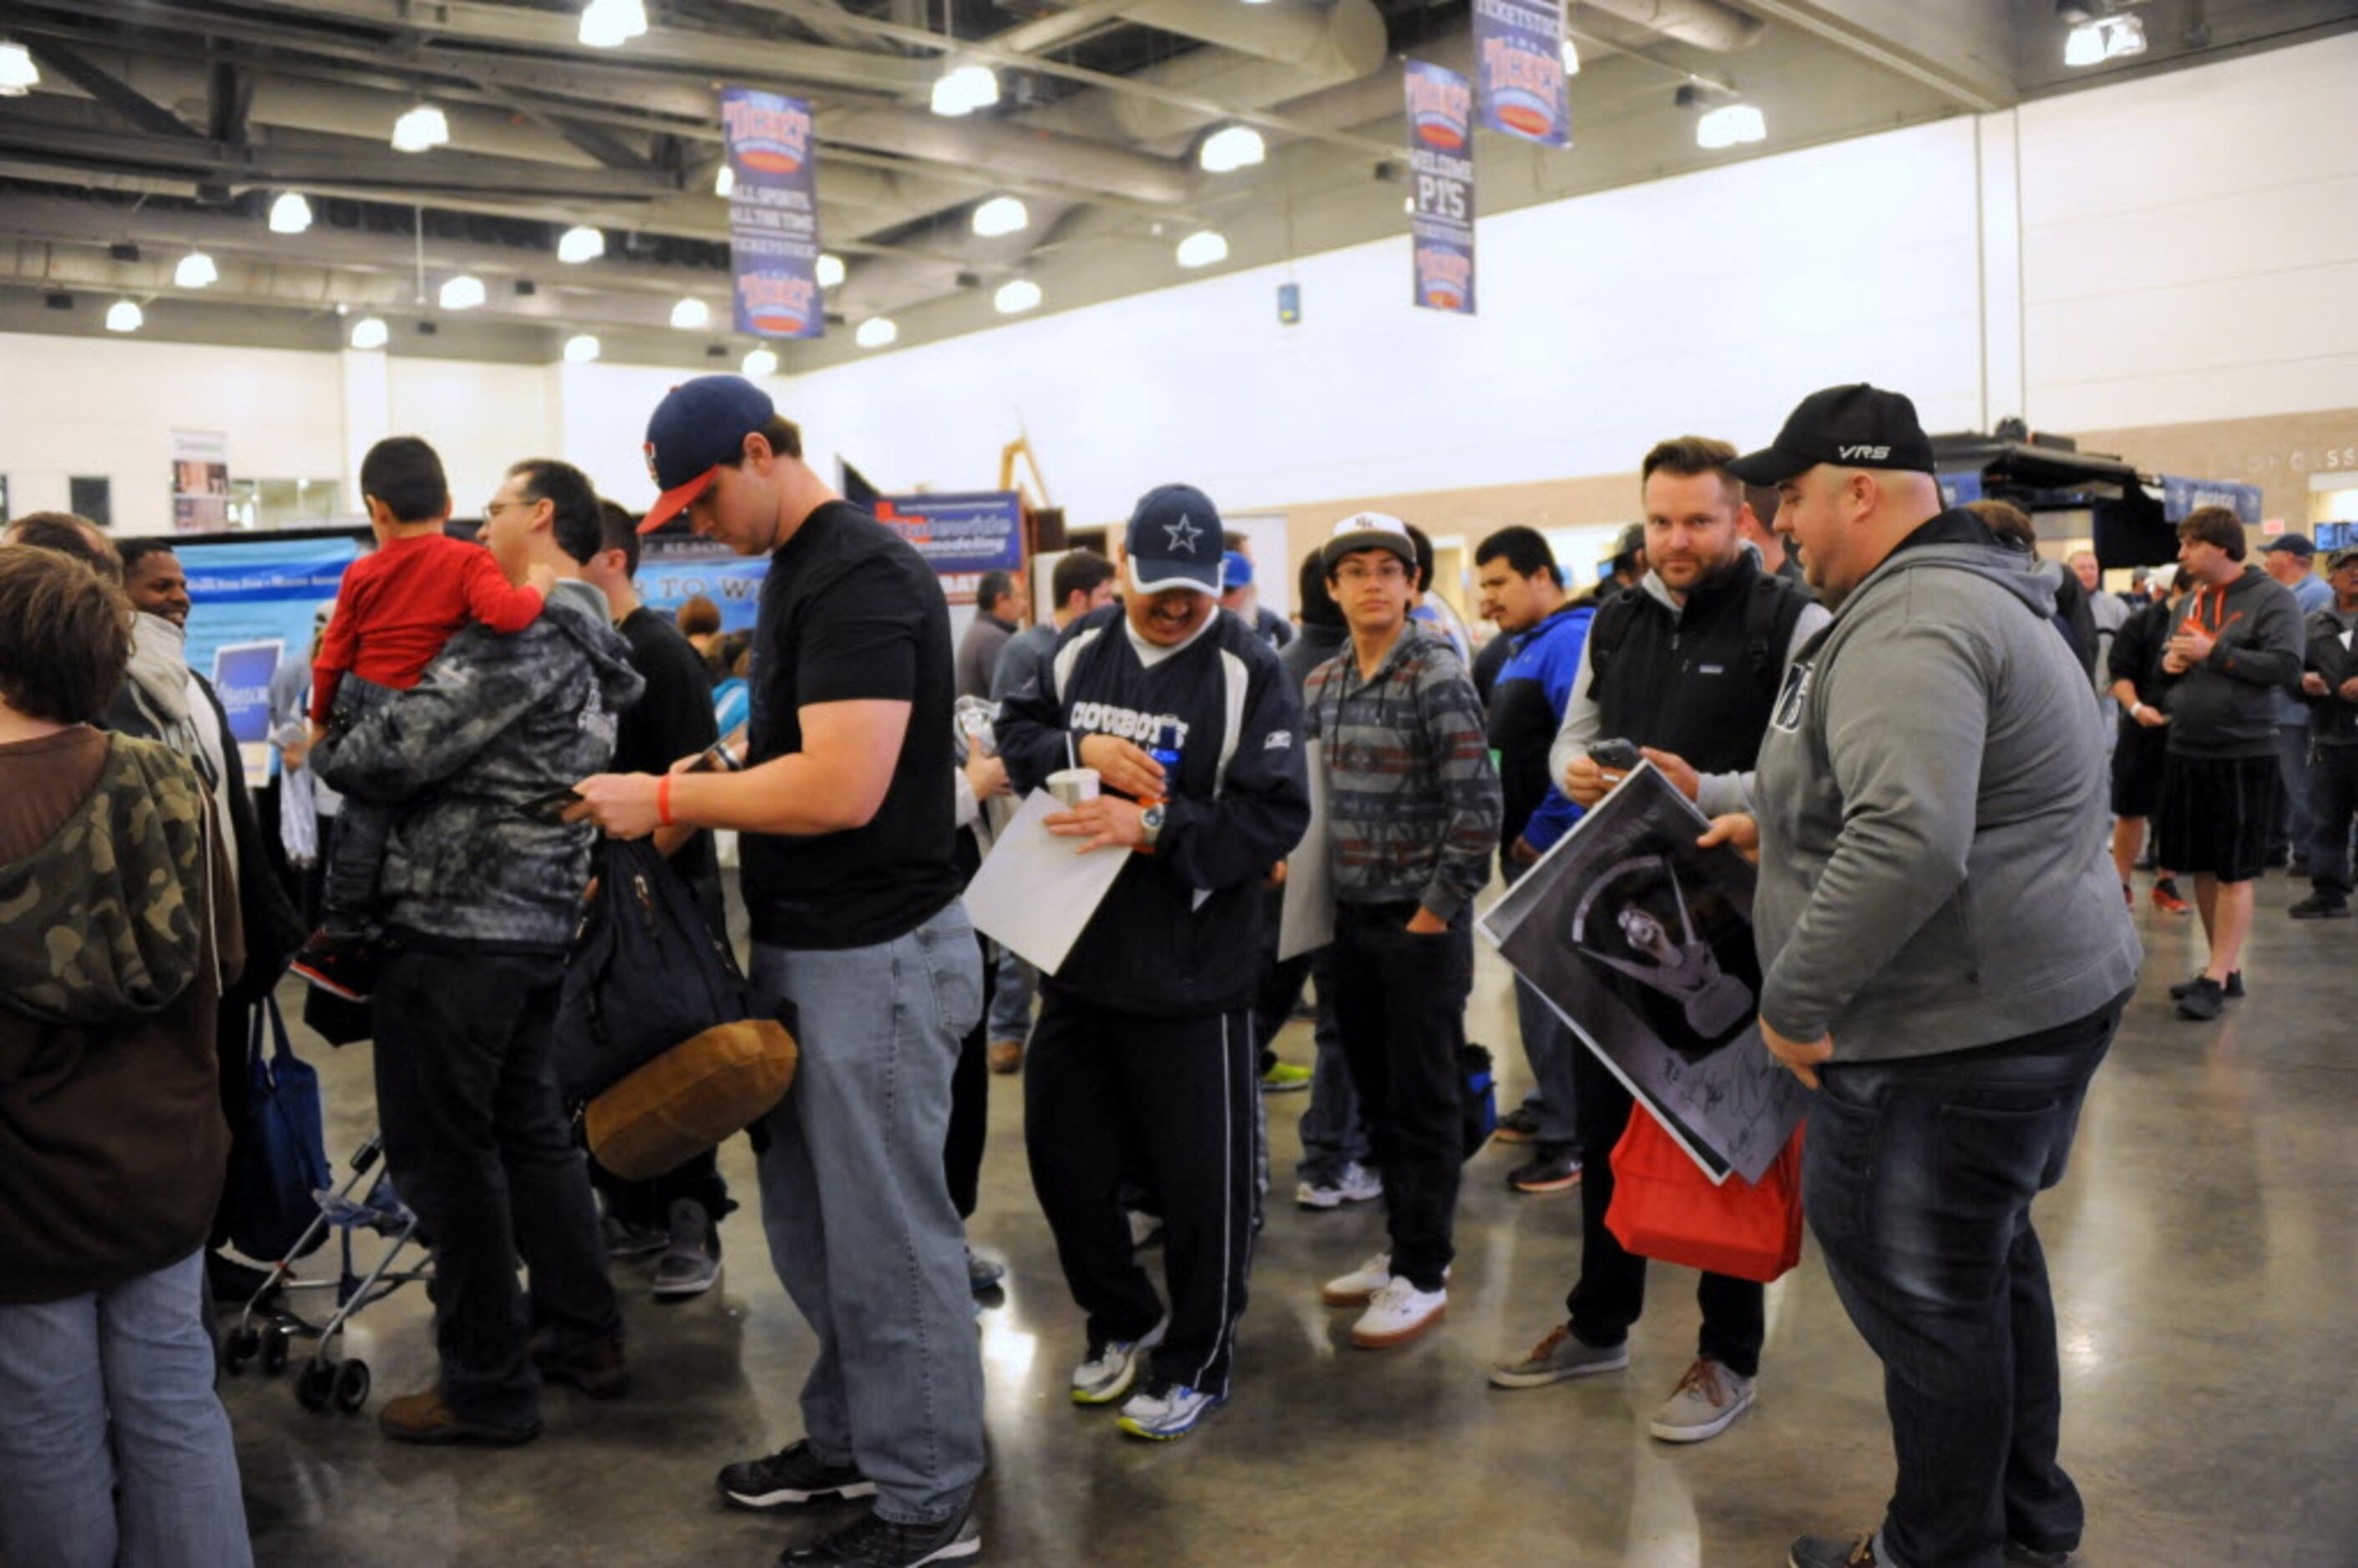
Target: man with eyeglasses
{"x": 1413, "y": 807}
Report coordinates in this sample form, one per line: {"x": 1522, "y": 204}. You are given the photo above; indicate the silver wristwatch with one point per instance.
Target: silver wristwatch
{"x": 1151, "y": 820}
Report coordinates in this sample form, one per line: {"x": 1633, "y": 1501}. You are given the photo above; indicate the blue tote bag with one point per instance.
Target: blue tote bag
{"x": 280, "y": 1165}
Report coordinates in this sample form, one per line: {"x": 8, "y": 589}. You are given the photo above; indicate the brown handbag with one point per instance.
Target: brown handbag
{"x": 691, "y": 1098}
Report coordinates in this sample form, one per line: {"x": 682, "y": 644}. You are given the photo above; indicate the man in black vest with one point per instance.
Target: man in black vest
{"x": 1687, "y": 664}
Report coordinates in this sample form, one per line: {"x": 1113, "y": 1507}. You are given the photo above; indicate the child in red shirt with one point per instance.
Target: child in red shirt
{"x": 393, "y": 611}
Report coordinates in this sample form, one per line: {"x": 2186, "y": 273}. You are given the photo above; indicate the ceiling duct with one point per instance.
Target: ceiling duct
{"x": 1702, "y": 24}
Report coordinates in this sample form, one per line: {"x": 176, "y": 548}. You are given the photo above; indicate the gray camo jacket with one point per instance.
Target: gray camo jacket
{"x": 496, "y": 722}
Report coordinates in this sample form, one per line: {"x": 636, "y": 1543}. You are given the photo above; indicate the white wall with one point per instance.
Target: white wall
{"x": 88, "y": 406}
{"x": 2189, "y": 251}
{"x": 2190, "y": 244}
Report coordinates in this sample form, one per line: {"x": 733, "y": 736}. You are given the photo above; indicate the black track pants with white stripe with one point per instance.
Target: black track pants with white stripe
{"x": 1104, "y": 1091}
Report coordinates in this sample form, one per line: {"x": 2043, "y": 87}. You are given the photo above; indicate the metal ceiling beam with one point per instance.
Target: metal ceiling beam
{"x": 147, "y": 115}
{"x": 1960, "y": 50}
{"x": 229, "y": 100}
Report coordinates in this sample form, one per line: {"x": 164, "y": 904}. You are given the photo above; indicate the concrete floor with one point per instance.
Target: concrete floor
{"x": 2204, "y": 1249}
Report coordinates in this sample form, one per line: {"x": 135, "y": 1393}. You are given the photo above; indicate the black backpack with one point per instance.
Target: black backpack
{"x": 646, "y": 973}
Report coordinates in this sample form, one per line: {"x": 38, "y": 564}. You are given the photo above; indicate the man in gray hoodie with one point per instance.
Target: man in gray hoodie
{"x": 1944, "y": 956}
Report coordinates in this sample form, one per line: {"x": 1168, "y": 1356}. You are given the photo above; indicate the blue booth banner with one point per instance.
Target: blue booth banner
{"x": 773, "y": 213}
{"x": 1440, "y": 162}
{"x": 961, "y": 537}
{"x": 672, "y": 571}
{"x": 2182, "y": 496}
{"x": 242, "y": 673}
{"x": 259, "y": 590}
{"x": 1519, "y": 70}
{"x": 1957, "y": 489}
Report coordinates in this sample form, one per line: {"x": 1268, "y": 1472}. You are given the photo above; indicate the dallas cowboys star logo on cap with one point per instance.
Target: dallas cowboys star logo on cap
{"x": 1184, "y": 533}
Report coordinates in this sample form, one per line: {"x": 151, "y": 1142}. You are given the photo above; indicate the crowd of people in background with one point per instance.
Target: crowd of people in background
{"x": 1879, "y": 699}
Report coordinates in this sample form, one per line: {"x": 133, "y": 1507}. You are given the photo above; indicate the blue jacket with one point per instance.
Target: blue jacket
{"x": 1527, "y": 708}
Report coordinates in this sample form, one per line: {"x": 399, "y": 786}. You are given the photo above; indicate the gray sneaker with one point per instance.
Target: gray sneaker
{"x": 1353, "y": 1183}
{"x": 1109, "y": 1369}
{"x": 1706, "y": 1400}
{"x": 691, "y": 1262}
{"x": 1556, "y": 1357}
{"x": 625, "y": 1239}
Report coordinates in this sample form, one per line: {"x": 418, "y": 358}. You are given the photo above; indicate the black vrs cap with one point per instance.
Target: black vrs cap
{"x": 1856, "y": 426}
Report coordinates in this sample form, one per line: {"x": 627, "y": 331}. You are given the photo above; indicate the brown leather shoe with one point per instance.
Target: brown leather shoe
{"x": 1007, "y": 1056}
{"x": 423, "y": 1418}
{"x": 598, "y": 1371}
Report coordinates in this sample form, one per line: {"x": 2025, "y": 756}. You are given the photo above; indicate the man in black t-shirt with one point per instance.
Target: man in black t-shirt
{"x": 678, "y": 1212}
{"x": 845, "y": 803}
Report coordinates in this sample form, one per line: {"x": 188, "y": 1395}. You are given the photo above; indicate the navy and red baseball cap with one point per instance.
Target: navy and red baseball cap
{"x": 698, "y": 425}
{"x": 1855, "y": 426}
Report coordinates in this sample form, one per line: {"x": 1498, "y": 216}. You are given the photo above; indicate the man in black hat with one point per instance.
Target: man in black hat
{"x": 1936, "y": 737}
{"x": 1143, "y": 1055}
{"x": 846, "y": 808}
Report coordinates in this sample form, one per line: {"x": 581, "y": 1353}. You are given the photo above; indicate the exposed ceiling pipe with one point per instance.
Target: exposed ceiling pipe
{"x": 1351, "y": 41}
{"x": 1705, "y": 23}
{"x": 1017, "y": 150}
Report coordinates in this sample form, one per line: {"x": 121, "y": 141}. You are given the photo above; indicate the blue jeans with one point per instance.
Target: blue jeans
{"x": 1918, "y": 1177}
{"x": 114, "y": 1447}
{"x": 1332, "y": 1136}
{"x": 1550, "y": 1048}
{"x": 2294, "y": 824}
{"x": 859, "y": 1216}
{"x": 1010, "y": 1002}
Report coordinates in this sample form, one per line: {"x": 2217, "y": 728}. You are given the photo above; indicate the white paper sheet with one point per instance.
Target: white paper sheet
{"x": 1306, "y": 913}
{"x": 1033, "y": 893}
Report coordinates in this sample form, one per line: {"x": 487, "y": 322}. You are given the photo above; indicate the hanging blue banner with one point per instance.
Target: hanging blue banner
{"x": 260, "y": 590}
{"x": 961, "y": 537}
{"x": 2181, "y": 496}
{"x": 672, "y": 571}
{"x": 1519, "y": 67}
{"x": 1441, "y": 163}
{"x": 773, "y": 213}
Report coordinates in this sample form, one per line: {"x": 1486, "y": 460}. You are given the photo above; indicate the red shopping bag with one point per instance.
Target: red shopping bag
{"x": 1664, "y": 1207}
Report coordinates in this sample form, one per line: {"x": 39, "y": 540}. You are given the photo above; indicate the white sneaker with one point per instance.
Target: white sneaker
{"x": 1108, "y": 1371}
{"x": 1354, "y": 1183}
{"x": 1397, "y": 1314}
{"x": 1356, "y": 1288}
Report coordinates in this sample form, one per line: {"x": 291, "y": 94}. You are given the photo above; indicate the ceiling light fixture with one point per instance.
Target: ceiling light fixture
{"x": 1001, "y": 215}
{"x": 370, "y": 332}
{"x": 759, "y": 364}
{"x": 124, "y": 316}
{"x": 831, "y": 270}
{"x": 1202, "y": 247}
{"x": 580, "y": 244}
{"x": 691, "y": 315}
{"x": 18, "y": 74}
{"x": 289, "y": 214}
{"x": 1571, "y": 55}
{"x": 196, "y": 271}
{"x": 1016, "y": 296}
{"x": 463, "y": 292}
{"x": 1730, "y": 125}
{"x": 610, "y": 23}
{"x": 1231, "y": 148}
{"x": 877, "y": 333}
{"x": 963, "y": 88}
{"x": 422, "y": 128}
{"x": 581, "y": 348}
{"x": 724, "y": 181}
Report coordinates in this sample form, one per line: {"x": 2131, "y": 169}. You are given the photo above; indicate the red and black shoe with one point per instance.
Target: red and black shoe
{"x": 341, "y": 965}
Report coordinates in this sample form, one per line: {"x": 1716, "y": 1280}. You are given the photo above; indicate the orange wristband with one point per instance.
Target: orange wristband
{"x": 662, "y": 801}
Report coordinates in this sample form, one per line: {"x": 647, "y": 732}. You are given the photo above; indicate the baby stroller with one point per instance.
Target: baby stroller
{"x": 268, "y": 1335}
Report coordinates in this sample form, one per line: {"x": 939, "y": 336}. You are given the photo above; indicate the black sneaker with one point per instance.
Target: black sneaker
{"x": 790, "y": 1478}
{"x": 1826, "y": 1551}
{"x": 691, "y": 1262}
{"x": 1520, "y": 1125}
{"x": 2035, "y": 1556}
{"x": 878, "y": 1542}
{"x": 1552, "y": 1168}
{"x": 341, "y": 965}
{"x": 2207, "y": 1001}
{"x": 2233, "y": 990}
{"x": 2320, "y": 907}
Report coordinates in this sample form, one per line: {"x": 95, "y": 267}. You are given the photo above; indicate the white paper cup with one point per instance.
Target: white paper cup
{"x": 1073, "y": 785}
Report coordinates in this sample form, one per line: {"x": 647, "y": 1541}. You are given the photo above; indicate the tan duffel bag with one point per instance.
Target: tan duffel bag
{"x": 691, "y": 1098}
